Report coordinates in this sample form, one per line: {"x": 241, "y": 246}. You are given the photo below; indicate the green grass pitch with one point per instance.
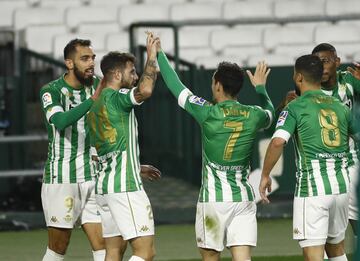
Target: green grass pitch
{"x": 173, "y": 243}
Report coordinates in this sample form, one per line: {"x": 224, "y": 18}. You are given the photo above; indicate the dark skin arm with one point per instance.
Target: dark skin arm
{"x": 150, "y": 173}
{"x": 355, "y": 71}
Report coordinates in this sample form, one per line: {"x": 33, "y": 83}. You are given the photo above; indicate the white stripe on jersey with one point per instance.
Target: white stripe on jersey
{"x": 101, "y": 177}
{"x": 226, "y": 188}
{"x": 300, "y": 174}
{"x": 345, "y": 172}
{"x": 67, "y": 155}
{"x": 243, "y": 191}
{"x": 211, "y": 185}
{"x": 330, "y": 169}
{"x": 57, "y": 153}
{"x": 351, "y": 88}
{"x": 137, "y": 150}
{"x": 67, "y": 149}
{"x": 52, "y": 111}
{"x": 183, "y": 97}
{"x": 123, "y": 171}
{"x": 111, "y": 178}
{"x": 79, "y": 161}
{"x": 131, "y": 146}
{"x": 317, "y": 175}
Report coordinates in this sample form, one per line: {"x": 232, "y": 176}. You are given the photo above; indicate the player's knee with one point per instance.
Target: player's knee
{"x": 334, "y": 250}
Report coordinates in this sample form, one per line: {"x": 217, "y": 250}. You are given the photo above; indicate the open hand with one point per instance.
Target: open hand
{"x": 261, "y": 73}
{"x": 98, "y": 90}
{"x": 355, "y": 71}
{"x": 152, "y": 44}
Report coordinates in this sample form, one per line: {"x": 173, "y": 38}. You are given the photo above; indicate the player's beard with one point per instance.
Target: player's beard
{"x": 125, "y": 83}
{"x": 80, "y": 76}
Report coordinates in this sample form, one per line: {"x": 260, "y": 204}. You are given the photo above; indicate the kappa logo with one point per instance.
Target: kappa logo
{"x": 282, "y": 118}
{"x": 46, "y": 99}
{"x": 124, "y": 90}
{"x": 53, "y": 219}
{"x": 197, "y": 100}
{"x": 296, "y": 231}
{"x": 144, "y": 229}
{"x": 199, "y": 240}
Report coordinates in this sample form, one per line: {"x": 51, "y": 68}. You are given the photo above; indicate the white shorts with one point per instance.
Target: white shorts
{"x": 225, "y": 223}
{"x": 126, "y": 214}
{"x": 66, "y": 204}
{"x": 320, "y": 219}
{"x": 354, "y": 177}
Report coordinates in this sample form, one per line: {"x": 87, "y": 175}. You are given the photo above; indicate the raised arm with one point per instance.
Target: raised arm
{"x": 147, "y": 81}
{"x": 258, "y": 80}
{"x": 170, "y": 77}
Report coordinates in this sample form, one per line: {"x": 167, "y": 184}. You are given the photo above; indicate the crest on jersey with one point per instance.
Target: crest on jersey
{"x": 282, "y": 117}
{"x": 46, "y": 99}
{"x": 197, "y": 100}
{"x": 124, "y": 90}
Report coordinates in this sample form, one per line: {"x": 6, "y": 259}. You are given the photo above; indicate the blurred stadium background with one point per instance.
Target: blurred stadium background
{"x": 197, "y": 35}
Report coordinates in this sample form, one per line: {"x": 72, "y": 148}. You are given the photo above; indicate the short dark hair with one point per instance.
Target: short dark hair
{"x": 311, "y": 67}
{"x": 324, "y": 47}
{"x": 70, "y": 48}
{"x": 231, "y": 76}
{"x": 115, "y": 60}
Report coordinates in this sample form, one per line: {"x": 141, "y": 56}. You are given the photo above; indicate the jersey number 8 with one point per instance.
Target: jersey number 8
{"x": 330, "y": 132}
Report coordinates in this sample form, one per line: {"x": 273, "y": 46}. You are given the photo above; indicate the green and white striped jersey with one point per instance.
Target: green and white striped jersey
{"x": 114, "y": 134}
{"x": 68, "y": 158}
{"x": 321, "y": 125}
{"x": 228, "y": 132}
{"x": 346, "y": 88}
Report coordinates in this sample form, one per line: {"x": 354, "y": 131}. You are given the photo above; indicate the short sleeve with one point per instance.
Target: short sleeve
{"x": 286, "y": 124}
{"x": 125, "y": 99}
{"x": 198, "y": 107}
{"x": 50, "y": 101}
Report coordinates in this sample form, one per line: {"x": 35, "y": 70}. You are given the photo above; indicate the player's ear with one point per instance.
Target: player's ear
{"x": 69, "y": 64}
{"x": 298, "y": 78}
{"x": 337, "y": 61}
{"x": 118, "y": 75}
{"x": 218, "y": 86}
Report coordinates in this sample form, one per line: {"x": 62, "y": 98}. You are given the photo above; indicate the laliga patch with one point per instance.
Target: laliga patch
{"x": 46, "y": 99}
{"x": 124, "y": 90}
{"x": 197, "y": 100}
{"x": 282, "y": 117}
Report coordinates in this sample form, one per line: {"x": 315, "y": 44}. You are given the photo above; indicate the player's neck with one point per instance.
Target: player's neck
{"x": 72, "y": 81}
{"x": 222, "y": 98}
{"x": 310, "y": 87}
{"x": 330, "y": 84}
{"x": 113, "y": 86}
